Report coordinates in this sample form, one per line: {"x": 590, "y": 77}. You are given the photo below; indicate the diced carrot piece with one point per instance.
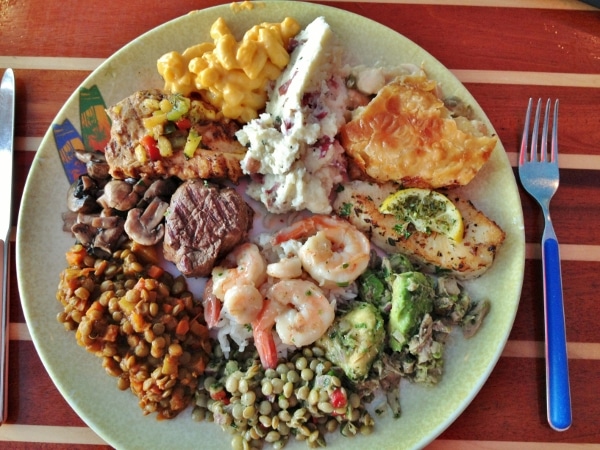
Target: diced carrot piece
{"x": 198, "y": 328}
{"x": 96, "y": 306}
{"x": 155, "y": 271}
{"x": 75, "y": 258}
{"x": 147, "y": 254}
{"x": 112, "y": 333}
{"x": 183, "y": 326}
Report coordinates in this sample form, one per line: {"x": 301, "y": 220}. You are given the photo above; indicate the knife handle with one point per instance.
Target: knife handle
{"x": 4, "y": 336}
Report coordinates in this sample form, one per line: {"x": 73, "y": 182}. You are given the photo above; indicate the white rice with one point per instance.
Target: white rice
{"x": 227, "y": 328}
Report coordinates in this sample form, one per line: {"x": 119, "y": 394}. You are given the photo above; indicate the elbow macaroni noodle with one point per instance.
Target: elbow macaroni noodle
{"x": 233, "y": 74}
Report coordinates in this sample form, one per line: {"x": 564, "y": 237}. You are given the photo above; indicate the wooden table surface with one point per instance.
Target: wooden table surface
{"x": 504, "y": 51}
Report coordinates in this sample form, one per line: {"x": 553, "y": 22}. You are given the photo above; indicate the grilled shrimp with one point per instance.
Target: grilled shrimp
{"x": 262, "y": 331}
{"x": 334, "y": 252}
{"x": 236, "y": 283}
{"x": 243, "y": 302}
{"x": 300, "y": 312}
{"x": 243, "y": 265}
{"x": 289, "y": 267}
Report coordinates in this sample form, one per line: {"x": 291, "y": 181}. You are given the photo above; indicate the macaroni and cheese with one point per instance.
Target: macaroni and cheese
{"x": 232, "y": 74}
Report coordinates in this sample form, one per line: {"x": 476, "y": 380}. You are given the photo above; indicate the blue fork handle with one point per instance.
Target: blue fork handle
{"x": 557, "y": 364}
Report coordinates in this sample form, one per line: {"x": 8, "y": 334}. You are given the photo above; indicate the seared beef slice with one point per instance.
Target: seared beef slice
{"x": 204, "y": 222}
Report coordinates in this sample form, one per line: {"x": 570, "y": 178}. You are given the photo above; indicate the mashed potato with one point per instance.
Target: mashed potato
{"x": 293, "y": 157}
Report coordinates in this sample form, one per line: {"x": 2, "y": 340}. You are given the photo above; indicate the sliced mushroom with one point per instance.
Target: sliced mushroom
{"x": 95, "y": 163}
{"x": 82, "y": 195}
{"x": 140, "y": 186}
{"x": 163, "y": 188}
{"x": 145, "y": 226}
{"x": 100, "y": 221}
{"x": 86, "y": 156}
{"x": 98, "y": 169}
{"x": 106, "y": 222}
{"x": 107, "y": 240}
{"x": 101, "y": 233}
{"x": 69, "y": 219}
{"x": 84, "y": 233}
{"x": 120, "y": 195}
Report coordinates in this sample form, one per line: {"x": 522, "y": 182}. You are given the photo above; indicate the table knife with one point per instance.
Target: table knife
{"x": 7, "y": 126}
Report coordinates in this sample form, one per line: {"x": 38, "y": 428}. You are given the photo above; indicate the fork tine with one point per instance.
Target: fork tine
{"x": 524, "y": 138}
{"x": 554, "y": 144}
{"x": 534, "y": 132}
{"x": 530, "y": 153}
{"x": 544, "y": 143}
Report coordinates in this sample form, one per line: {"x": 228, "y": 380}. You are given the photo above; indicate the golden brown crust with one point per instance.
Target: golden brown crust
{"x": 406, "y": 134}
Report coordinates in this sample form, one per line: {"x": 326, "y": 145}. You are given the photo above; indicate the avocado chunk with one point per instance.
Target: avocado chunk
{"x": 396, "y": 263}
{"x": 412, "y": 298}
{"x": 374, "y": 285}
{"x": 372, "y": 288}
{"x": 354, "y": 340}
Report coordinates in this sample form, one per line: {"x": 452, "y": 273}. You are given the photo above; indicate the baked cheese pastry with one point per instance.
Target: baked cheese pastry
{"x": 407, "y": 135}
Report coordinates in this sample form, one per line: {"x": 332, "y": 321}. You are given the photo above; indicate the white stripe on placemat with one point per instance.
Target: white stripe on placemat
{"x": 451, "y": 444}
{"x": 538, "y": 4}
{"x": 49, "y": 434}
{"x": 18, "y": 332}
{"x": 528, "y": 78}
{"x": 567, "y": 161}
{"x": 535, "y": 349}
{"x": 466, "y": 76}
{"x": 50, "y": 63}
{"x": 568, "y": 252}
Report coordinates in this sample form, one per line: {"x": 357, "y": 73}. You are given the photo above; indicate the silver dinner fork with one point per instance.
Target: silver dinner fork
{"x": 538, "y": 171}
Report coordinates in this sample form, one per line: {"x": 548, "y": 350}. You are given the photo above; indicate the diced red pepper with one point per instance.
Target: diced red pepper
{"x": 184, "y": 123}
{"x": 151, "y": 147}
{"x": 220, "y": 395}
{"x": 338, "y": 398}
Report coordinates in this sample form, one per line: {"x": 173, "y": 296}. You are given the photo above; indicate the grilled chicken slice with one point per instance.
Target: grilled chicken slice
{"x": 218, "y": 156}
{"x": 359, "y": 202}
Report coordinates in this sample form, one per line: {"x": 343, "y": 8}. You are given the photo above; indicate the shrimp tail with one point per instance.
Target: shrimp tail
{"x": 265, "y": 345}
{"x": 263, "y": 334}
{"x": 212, "y": 306}
{"x": 212, "y": 312}
{"x": 297, "y": 230}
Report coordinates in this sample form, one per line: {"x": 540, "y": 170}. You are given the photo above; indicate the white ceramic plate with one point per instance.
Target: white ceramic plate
{"x": 41, "y": 245}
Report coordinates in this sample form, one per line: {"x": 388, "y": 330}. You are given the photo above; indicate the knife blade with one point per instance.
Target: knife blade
{"x": 7, "y": 126}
